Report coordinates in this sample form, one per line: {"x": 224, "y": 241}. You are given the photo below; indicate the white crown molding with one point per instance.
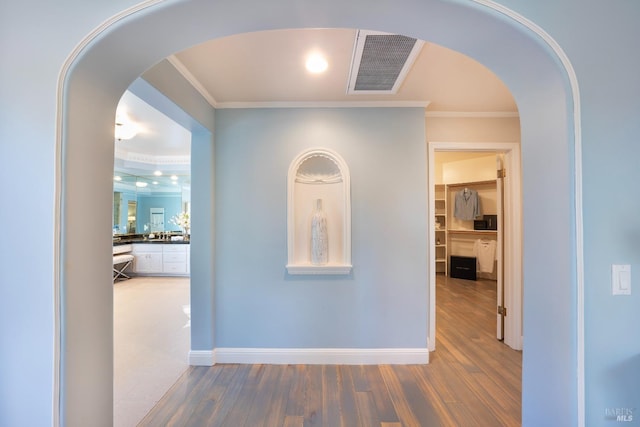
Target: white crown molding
{"x": 180, "y": 67}
{"x": 472, "y": 114}
{"x": 325, "y": 104}
{"x": 323, "y": 356}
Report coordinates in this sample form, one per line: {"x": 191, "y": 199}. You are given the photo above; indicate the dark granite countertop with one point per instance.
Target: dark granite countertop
{"x": 126, "y": 240}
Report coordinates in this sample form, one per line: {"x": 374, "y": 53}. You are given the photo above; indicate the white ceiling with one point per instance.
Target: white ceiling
{"x": 159, "y": 144}
{"x": 267, "y": 69}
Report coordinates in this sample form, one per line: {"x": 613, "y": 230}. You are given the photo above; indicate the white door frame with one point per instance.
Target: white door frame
{"x": 512, "y": 227}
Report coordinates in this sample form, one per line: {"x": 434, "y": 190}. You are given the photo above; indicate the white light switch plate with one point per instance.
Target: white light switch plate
{"x": 621, "y": 279}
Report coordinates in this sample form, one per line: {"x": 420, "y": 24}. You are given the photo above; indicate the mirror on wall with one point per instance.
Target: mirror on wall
{"x": 152, "y": 169}
{"x": 132, "y": 210}
{"x": 146, "y": 204}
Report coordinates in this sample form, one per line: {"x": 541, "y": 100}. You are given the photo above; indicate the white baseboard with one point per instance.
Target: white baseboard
{"x": 202, "y": 358}
{"x": 311, "y": 356}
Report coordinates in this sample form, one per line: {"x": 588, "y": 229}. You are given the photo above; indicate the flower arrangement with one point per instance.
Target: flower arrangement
{"x": 182, "y": 220}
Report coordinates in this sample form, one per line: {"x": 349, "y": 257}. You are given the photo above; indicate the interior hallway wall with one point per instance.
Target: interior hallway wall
{"x": 383, "y": 303}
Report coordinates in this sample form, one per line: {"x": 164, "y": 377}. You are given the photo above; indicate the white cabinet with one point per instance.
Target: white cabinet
{"x": 161, "y": 259}
{"x": 147, "y": 258}
{"x": 174, "y": 259}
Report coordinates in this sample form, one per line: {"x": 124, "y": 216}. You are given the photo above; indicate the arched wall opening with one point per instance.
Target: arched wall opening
{"x": 137, "y": 39}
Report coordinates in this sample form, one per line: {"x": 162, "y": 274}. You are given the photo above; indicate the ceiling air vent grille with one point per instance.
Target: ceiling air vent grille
{"x": 380, "y": 62}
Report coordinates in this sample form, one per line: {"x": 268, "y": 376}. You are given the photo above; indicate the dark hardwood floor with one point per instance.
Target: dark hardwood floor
{"x": 472, "y": 380}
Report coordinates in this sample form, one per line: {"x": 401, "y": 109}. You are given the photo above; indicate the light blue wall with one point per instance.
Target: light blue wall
{"x": 611, "y": 107}
{"x": 383, "y": 304}
{"x": 600, "y": 39}
{"x": 167, "y": 90}
{"x": 44, "y": 34}
{"x": 202, "y": 241}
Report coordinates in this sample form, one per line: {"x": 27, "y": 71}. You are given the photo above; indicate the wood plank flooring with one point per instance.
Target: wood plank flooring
{"x": 472, "y": 380}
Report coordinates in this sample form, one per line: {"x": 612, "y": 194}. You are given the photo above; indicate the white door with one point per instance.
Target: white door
{"x": 500, "y": 306}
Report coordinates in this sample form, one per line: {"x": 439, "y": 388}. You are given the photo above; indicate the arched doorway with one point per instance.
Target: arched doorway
{"x": 134, "y": 41}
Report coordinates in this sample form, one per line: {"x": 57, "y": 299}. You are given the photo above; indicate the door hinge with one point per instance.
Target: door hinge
{"x": 502, "y": 173}
{"x": 502, "y": 310}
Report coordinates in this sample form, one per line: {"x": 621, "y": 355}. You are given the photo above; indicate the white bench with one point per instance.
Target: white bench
{"x": 122, "y": 259}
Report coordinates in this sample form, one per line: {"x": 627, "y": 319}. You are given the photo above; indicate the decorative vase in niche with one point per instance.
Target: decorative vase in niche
{"x": 319, "y": 237}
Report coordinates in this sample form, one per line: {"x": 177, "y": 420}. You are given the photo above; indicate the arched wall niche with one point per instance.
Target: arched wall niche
{"x": 318, "y": 179}
{"x": 99, "y": 71}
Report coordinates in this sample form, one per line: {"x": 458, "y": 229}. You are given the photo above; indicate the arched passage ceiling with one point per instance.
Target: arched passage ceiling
{"x": 268, "y": 67}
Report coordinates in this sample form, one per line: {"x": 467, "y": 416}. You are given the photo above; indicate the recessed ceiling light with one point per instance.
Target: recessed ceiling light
{"x": 141, "y": 184}
{"x": 316, "y": 63}
{"x": 117, "y": 178}
{"x": 174, "y": 177}
{"x": 158, "y": 173}
{"x": 155, "y": 182}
